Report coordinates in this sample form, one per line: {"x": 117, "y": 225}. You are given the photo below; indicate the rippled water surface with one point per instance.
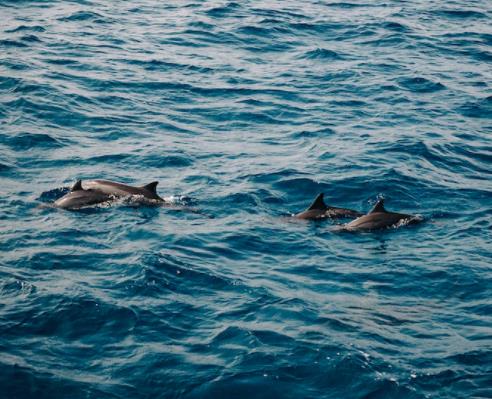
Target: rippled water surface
{"x": 244, "y": 111}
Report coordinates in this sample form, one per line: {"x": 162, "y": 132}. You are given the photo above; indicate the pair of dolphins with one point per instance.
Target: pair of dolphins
{"x": 100, "y": 191}
{"x": 377, "y": 218}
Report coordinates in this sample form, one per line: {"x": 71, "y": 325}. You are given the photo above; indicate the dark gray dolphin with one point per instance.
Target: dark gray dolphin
{"x": 78, "y": 197}
{"x": 98, "y": 191}
{"x": 380, "y": 218}
{"x": 123, "y": 190}
{"x": 319, "y": 210}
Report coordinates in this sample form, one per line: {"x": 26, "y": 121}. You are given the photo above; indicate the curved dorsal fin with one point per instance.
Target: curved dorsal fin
{"x": 379, "y": 207}
{"x": 77, "y": 186}
{"x": 318, "y": 203}
{"x": 152, "y": 187}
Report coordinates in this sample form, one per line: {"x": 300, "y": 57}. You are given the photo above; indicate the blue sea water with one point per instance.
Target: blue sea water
{"x": 245, "y": 111}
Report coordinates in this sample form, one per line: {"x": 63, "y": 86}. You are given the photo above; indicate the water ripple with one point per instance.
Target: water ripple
{"x": 244, "y": 113}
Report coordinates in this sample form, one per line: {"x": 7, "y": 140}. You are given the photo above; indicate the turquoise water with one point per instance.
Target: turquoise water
{"x": 245, "y": 111}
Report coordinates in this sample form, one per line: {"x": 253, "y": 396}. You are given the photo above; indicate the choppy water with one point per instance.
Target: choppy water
{"x": 245, "y": 111}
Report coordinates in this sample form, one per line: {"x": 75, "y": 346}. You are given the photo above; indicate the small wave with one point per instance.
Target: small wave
{"x": 30, "y": 39}
{"x": 485, "y": 56}
{"x": 63, "y": 61}
{"x": 395, "y": 39}
{"x": 320, "y": 27}
{"x": 7, "y": 83}
{"x": 272, "y": 176}
{"x": 224, "y": 11}
{"x": 324, "y": 54}
{"x": 166, "y": 161}
{"x": 243, "y": 200}
{"x": 79, "y": 318}
{"x": 85, "y": 16}
{"x": 474, "y": 357}
{"x": 23, "y": 28}
{"x": 184, "y": 276}
{"x": 209, "y": 37}
{"x": 5, "y": 167}
{"x": 15, "y": 288}
{"x": 27, "y": 141}
{"x": 12, "y": 43}
{"x": 477, "y": 109}
{"x": 315, "y": 133}
{"x": 460, "y": 14}
{"x": 395, "y": 26}
{"x": 420, "y": 85}
{"x": 299, "y": 184}
{"x": 108, "y": 158}
{"x": 202, "y": 25}
{"x": 345, "y": 4}
{"x": 351, "y": 103}
{"x": 50, "y": 112}
{"x": 155, "y": 65}
{"x": 137, "y": 160}
{"x": 255, "y": 31}
{"x": 486, "y": 38}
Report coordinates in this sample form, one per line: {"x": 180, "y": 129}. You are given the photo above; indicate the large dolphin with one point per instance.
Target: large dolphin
{"x": 380, "y": 218}
{"x": 98, "y": 191}
{"x": 319, "y": 210}
{"x": 123, "y": 190}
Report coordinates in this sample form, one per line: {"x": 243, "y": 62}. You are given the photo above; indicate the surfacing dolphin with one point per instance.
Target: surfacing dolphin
{"x": 319, "y": 210}
{"x": 380, "y": 218}
{"x": 78, "y": 197}
{"x": 99, "y": 191}
{"x": 123, "y": 190}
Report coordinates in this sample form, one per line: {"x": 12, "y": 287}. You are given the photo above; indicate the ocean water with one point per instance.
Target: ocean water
{"x": 244, "y": 111}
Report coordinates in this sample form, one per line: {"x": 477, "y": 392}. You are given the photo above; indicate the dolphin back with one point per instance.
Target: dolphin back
{"x": 80, "y": 198}
{"x": 379, "y": 218}
{"x": 123, "y": 190}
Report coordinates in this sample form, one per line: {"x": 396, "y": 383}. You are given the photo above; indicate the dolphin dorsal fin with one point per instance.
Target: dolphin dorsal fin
{"x": 379, "y": 207}
{"x": 77, "y": 186}
{"x": 152, "y": 187}
{"x": 318, "y": 203}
